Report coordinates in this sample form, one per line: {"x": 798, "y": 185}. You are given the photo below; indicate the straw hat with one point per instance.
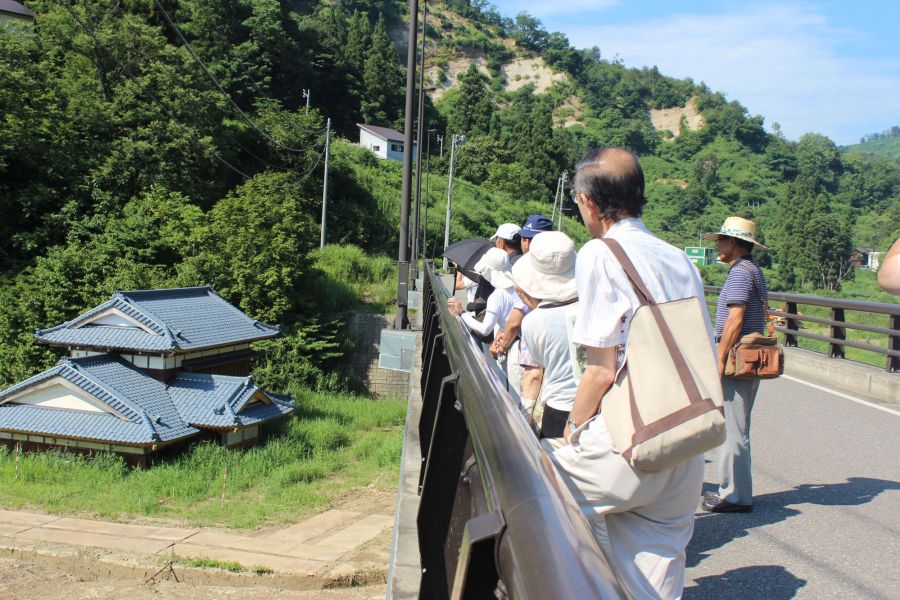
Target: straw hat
{"x": 492, "y": 265}
{"x": 738, "y": 228}
{"x": 547, "y": 272}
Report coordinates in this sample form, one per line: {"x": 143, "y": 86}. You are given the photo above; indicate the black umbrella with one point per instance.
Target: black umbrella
{"x": 465, "y": 253}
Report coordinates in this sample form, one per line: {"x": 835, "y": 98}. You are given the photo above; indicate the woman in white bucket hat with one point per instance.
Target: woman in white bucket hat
{"x": 545, "y": 277}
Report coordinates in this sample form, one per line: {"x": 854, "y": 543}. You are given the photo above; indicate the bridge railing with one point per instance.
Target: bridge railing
{"x": 795, "y": 324}
{"x": 495, "y": 519}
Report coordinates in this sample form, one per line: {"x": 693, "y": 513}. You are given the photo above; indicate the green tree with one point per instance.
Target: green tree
{"x": 383, "y": 80}
{"x": 472, "y": 109}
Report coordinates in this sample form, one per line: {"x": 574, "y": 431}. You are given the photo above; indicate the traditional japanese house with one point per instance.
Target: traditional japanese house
{"x": 148, "y": 372}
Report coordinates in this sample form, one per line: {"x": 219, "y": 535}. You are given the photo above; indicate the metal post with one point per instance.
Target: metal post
{"x": 453, "y": 143}
{"x": 420, "y": 124}
{"x": 401, "y": 321}
{"x": 562, "y": 198}
{"x": 306, "y": 95}
{"x": 555, "y": 199}
{"x": 441, "y": 140}
{"x": 325, "y": 185}
{"x": 425, "y": 216}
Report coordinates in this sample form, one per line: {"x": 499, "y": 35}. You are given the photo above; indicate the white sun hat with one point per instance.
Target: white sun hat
{"x": 507, "y": 231}
{"x": 492, "y": 266}
{"x": 547, "y": 272}
{"x": 736, "y": 227}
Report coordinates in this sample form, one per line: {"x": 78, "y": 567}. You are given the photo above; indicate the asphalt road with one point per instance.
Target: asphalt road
{"x": 826, "y": 520}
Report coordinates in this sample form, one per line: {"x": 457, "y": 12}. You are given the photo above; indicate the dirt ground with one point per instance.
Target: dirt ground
{"x": 51, "y": 573}
{"x": 39, "y": 578}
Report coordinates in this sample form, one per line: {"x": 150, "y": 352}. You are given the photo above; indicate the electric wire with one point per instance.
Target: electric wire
{"x": 218, "y": 85}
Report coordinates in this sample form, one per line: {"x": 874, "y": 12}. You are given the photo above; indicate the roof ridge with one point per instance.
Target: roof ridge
{"x": 166, "y": 330}
{"x": 163, "y": 290}
{"x": 99, "y": 308}
{"x": 109, "y": 390}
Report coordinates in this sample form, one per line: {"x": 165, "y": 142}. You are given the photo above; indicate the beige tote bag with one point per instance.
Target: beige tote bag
{"x": 666, "y": 403}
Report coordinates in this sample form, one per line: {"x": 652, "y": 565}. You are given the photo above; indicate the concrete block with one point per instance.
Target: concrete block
{"x": 357, "y": 533}
{"x": 241, "y": 542}
{"x": 6, "y": 530}
{"x": 171, "y": 534}
{"x": 314, "y": 526}
{"x": 16, "y": 517}
{"x": 94, "y": 540}
{"x": 248, "y": 560}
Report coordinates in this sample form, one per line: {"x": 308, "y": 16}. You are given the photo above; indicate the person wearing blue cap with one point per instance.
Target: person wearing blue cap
{"x": 534, "y": 224}
{"x": 520, "y": 368}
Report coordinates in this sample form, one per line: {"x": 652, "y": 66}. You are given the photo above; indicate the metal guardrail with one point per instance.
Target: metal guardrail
{"x": 495, "y": 519}
{"x": 792, "y": 320}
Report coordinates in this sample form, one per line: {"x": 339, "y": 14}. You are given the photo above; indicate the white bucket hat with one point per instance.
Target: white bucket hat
{"x": 736, "y": 227}
{"x": 492, "y": 265}
{"x": 507, "y": 231}
{"x": 547, "y": 272}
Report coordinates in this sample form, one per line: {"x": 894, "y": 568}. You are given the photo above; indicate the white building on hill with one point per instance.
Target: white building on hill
{"x": 383, "y": 141}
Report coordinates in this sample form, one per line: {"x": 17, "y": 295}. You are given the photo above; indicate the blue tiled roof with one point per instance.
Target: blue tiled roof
{"x": 149, "y": 414}
{"x": 179, "y": 320}
{"x": 206, "y": 400}
{"x": 150, "y": 411}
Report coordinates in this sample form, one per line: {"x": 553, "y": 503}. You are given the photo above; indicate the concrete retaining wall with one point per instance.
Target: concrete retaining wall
{"x": 365, "y": 330}
{"x": 845, "y": 374}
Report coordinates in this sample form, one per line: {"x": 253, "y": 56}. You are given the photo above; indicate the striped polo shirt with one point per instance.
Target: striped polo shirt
{"x": 745, "y": 285}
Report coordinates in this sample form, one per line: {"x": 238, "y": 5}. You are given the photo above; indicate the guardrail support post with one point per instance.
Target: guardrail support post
{"x": 476, "y": 571}
{"x": 438, "y": 368}
{"x": 793, "y": 324}
{"x": 893, "y": 362}
{"x": 840, "y": 333}
{"x": 439, "y": 487}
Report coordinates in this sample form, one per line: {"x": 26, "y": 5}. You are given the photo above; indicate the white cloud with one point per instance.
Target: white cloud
{"x": 779, "y": 61}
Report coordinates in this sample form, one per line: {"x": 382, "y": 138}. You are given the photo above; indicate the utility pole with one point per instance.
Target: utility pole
{"x": 555, "y": 199}
{"x": 455, "y": 141}
{"x": 420, "y": 124}
{"x": 562, "y": 198}
{"x": 401, "y": 321}
{"x": 325, "y": 184}
{"x": 306, "y": 95}
{"x": 425, "y": 217}
{"x": 441, "y": 140}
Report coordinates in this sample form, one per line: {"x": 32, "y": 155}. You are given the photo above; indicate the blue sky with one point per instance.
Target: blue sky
{"x": 830, "y": 67}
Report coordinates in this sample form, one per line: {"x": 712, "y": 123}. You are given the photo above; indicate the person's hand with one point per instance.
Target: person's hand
{"x": 721, "y": 369}
{"x": 496, "y": 348}
{"x": 454, "y": 306}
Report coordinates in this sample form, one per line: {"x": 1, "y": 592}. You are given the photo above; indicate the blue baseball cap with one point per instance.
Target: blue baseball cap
{"x": 534, "y": 225}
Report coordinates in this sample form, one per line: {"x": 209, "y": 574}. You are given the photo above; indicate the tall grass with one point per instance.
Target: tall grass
{"x": 349, "y": 276}
{"x": 332, "y": 445}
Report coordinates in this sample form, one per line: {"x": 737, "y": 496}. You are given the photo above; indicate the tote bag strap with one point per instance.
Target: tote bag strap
{"x": 643, "y": 294}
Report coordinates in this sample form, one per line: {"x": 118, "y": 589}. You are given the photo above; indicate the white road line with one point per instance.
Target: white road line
{"x": 845, "y": 396}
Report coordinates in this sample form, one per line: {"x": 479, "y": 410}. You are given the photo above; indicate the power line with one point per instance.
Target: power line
{"x": 229, "y": 165}
{"x": 221, "y": 89}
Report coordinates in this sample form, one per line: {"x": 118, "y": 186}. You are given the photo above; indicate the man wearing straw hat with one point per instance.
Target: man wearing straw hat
{"x": 741, "y": 310}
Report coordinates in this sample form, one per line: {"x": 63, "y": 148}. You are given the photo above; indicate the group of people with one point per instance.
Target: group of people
{"x": 561, "y": 320}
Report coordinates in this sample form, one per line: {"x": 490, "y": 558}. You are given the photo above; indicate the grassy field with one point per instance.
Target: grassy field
{"x": 333, "y": 445}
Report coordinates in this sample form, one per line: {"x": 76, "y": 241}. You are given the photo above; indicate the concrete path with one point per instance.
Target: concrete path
{"x": 826, "y": 520}
{"x": 310, "y": 548}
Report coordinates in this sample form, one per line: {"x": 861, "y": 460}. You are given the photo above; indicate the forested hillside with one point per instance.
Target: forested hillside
{"x": 886, "y": 143}
{"x": 147, "y": 144}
